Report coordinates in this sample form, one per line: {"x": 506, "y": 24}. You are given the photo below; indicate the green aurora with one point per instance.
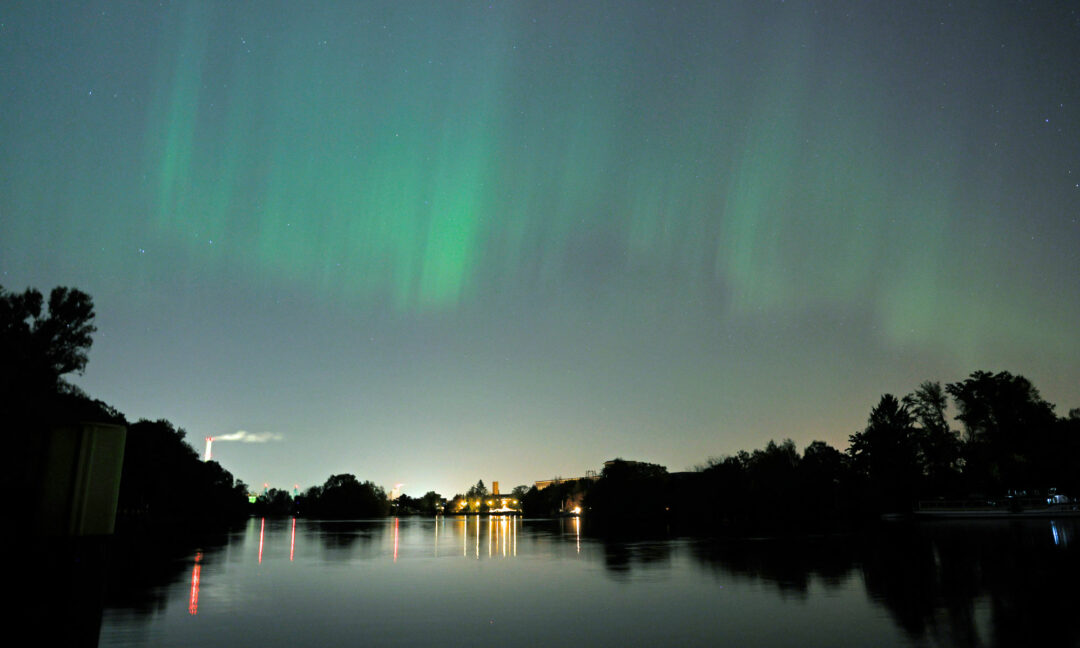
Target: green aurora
{"x": 680, "y": 202}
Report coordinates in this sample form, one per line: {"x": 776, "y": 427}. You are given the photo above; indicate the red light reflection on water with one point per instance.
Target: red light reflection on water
{"x": 193, "y": 601}
{"x": 292, "y": 541}
{"x": 262, "y": 528}
{"x": 395, "y": 538}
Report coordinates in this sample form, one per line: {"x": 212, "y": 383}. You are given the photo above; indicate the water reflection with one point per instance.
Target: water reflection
{"x": 292, "y": 541}
{"x": 792, "y": 566}
{"x": 497, "y": 533}
{"x": 193, "y": 602}
{"x": 339, "y": 540}
{"x": 622, "y": 558}
{"x": 138, "y": 570}
{"x": 977, "y": 583}
{"x": 1060, "y": 533}
{"x": 970, "y": 583}
{"x": 475, "y": 537}
{"x": 991, "y": 583}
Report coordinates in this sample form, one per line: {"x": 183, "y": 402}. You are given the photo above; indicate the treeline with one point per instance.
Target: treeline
{"x": 340, "y": 497}
{"x": 1010, "y": 443}
{"x": 163, "y": 481}
{"x": 430, "y": 503}
{"x": 343, "y": 497}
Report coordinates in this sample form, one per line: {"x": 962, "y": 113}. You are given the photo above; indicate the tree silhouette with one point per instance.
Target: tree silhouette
{"x": 927, "y": 405}
{"x": 772, "y": 475}
{"x": 345, "y": 497}
{"x": 479, "y": 490}
{"x": 164, "y": 482}
{"x": 939, "y": 447}
{"x": 629, "y": 492}
{"x": 885, "y": 454}
{"x": 1008, "y": 427}
{"x": 822, "y": 476}
{"x": 38, "y": 348}
{"x": 430, "y": 503}
{"x": 274, "y": 502}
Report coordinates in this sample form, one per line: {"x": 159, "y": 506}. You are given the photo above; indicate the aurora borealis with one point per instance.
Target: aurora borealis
{"x": 436, "y": 242}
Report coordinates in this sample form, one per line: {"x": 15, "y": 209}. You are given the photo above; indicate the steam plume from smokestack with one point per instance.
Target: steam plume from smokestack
{"x": 249, "y": 437}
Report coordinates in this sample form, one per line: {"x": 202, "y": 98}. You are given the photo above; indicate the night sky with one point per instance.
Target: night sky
{"x": 439, "y": 242}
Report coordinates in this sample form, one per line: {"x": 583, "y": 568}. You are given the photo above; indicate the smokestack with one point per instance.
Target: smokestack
{"x": 494, "y": 488}
{"x": 209, "y": 440}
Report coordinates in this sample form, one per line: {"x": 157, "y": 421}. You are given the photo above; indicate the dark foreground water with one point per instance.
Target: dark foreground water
{"x": 512, "y": 582}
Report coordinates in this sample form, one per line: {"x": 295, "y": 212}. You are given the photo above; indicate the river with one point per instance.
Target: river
{"x": 502, "y": 581}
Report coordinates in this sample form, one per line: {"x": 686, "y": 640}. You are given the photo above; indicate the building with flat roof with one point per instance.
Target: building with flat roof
{"x": 542, "y": 484}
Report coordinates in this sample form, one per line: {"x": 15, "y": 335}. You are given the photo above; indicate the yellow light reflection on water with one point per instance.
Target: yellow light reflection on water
{"x": 501, "y": 535}
{"x": 503, "y": 529}
{"x": 464, "y": 538}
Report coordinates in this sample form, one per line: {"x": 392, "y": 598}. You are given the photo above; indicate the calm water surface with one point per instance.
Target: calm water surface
{"x": 511, "y": 582}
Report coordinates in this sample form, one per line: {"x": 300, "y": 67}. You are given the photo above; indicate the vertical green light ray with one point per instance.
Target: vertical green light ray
{"x": 749, "y": 258}
{"x": 392, "y": 161}
{"x": 462, "y": 181}
{"x": 174, "y": 175}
